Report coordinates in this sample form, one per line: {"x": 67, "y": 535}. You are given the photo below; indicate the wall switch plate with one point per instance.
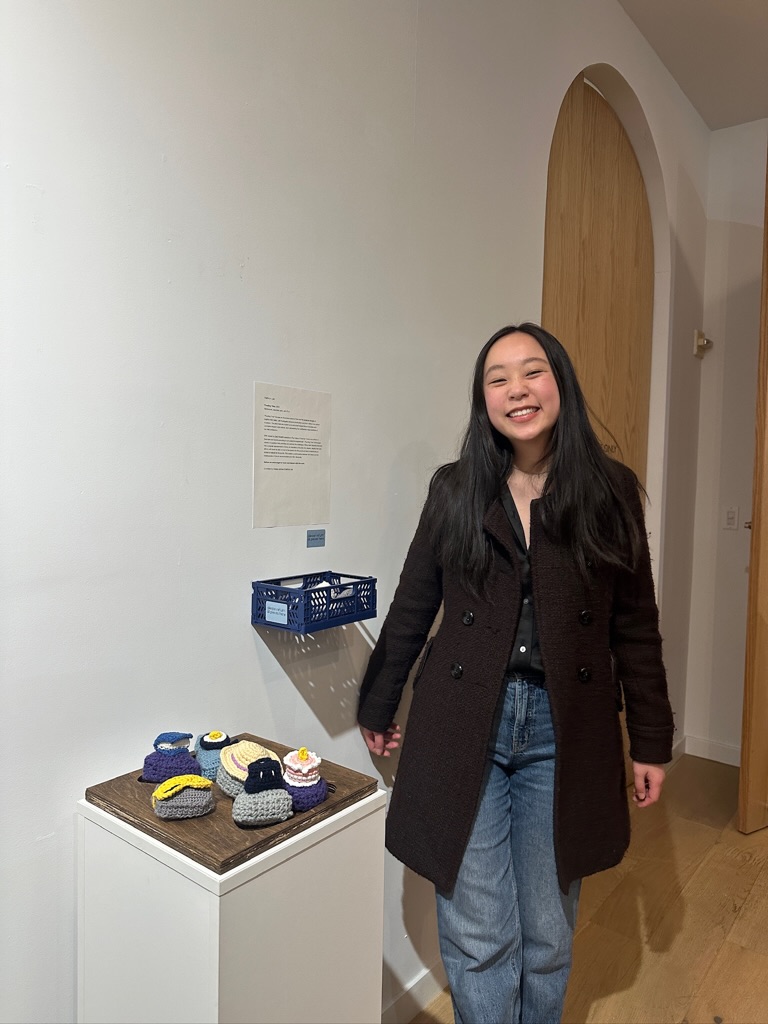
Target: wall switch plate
{"x": 731, "y": 517}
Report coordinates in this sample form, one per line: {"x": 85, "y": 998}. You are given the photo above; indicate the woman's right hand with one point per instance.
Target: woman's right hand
{"x": 381, "y": 743}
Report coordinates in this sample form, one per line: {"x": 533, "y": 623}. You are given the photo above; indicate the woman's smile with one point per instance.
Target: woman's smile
{"x": 519, "y": 414}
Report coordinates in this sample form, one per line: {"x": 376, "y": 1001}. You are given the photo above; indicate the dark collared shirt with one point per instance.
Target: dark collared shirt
{"x": 525, "y": 659}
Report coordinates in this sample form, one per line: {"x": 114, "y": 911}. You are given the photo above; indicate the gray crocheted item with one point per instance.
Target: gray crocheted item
{"x": 228, "y": 783}
{"x": 250, "y": 810}
{"x": 189, "y": 803}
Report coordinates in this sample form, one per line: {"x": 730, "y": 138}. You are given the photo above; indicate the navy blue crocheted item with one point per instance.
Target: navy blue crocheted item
{"x": 171, "y": 737}
{"x": 264, "y": 774}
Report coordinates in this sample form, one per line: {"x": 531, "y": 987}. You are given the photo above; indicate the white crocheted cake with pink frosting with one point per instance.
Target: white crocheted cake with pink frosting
{"x": 302, "y": 767}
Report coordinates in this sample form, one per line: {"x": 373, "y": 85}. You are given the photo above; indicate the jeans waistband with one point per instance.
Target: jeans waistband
{"x": 519, "y": 677}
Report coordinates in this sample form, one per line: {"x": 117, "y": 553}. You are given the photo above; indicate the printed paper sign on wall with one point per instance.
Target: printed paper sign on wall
{"x": 291, "y": 456}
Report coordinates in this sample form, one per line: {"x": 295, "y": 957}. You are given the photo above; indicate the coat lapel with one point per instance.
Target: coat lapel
{"x": 496, "y": 523}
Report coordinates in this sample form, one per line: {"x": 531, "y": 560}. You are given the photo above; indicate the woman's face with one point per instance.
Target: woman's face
{"x": 521, "y": 393}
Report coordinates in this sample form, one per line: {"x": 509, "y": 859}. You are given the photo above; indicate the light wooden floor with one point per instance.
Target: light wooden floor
{"x": 678, "y": 932}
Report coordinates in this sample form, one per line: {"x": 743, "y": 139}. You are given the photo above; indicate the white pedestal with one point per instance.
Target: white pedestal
{"x": 293, "y": 935}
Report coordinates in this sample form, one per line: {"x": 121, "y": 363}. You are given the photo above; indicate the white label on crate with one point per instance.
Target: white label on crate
{"x": 276, "y": 611}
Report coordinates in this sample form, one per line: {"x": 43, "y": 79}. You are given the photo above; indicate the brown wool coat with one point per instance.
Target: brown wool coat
{"x": 584, "y": 630}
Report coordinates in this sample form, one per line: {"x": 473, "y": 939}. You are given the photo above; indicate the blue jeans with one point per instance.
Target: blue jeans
{"x": 506, "y": 929}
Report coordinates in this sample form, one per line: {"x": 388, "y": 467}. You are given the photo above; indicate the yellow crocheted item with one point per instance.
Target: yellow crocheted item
{"x": 175, "y": 785}
{"x": 236, "y": 757}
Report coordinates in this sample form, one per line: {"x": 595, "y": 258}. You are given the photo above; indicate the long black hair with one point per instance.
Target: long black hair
{"x": 583, "y": 506}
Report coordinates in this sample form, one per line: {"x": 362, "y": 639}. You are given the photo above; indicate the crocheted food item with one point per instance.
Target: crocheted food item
{"x": 303, "y": 781}
{"x": 170, "y": 757}
{"x": 173, "y": 740}
{"x": 264, "y": 800}
{"x": 208, "y": 750}
{"x": 183, "y": 796}
{"x": 233, "y": 769}
{"x": 302, "y": 767}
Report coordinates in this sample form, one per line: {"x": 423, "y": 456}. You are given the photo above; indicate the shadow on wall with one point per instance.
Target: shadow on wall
{"x": 403, "y": 1000}
{"x": 421, "y": 927}
{"x": 326, "y": 669}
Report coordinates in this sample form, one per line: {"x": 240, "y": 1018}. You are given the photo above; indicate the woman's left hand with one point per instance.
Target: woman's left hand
{"x": 381, "y": 743}
{"x": 649, "y": 778}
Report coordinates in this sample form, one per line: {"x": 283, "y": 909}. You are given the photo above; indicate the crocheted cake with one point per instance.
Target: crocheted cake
{"x": 303, "y": 781}
{"x": 235, "y": 759}
{"x": 264, "y": 800}
{"x": 183, "y": 796}
{"x": 208, "y": 750}
{"x": 170, "y": 757}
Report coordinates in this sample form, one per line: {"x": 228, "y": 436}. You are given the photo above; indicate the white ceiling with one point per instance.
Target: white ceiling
{"x": 717, "y": 51}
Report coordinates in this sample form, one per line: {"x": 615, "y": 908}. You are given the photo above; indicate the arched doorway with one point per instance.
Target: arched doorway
{"x": 599, "y": 268}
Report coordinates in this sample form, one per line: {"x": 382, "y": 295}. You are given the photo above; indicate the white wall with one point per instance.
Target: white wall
{"x": 345, "y": 195}
{"x": 735, "y": 210}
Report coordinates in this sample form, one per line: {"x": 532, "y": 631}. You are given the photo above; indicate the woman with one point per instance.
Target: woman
{"x": 511, "y": 784}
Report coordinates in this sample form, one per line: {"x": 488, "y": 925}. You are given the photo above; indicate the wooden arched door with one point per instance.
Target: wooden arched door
{"x": 599, "y": 269}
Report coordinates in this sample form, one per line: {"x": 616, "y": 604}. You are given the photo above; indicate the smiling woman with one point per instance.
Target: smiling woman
{"x": 534, "y": 543}
{"x": 521, "y": 397}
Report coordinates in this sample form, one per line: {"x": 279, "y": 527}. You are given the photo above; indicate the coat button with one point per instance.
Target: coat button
{"x": 584, "y": 675}
{"x": 585, "y": 617}
{"x": 468, "y": 618}
{"x": 456, "y": 670}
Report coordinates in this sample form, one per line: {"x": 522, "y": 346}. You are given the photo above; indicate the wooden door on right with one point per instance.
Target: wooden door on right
{"x": 753, "y": 777}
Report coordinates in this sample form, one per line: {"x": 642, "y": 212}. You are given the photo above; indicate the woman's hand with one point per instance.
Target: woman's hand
{"x": 381, "y": 743}
{"x": 649, "y": 778}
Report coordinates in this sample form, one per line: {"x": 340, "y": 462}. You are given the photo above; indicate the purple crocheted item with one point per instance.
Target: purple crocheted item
{"x": 161, "y": 765}
{"x": 306, "y": 797}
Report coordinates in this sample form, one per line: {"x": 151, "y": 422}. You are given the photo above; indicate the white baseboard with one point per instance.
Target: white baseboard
{"x": 725, "y": 753}
{"x": 417, "y": 997}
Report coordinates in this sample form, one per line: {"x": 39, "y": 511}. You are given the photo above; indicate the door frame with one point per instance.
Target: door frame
{"x": 753, "y": 776}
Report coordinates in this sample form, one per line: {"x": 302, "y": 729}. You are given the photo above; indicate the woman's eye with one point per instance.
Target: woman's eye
{"x": 534, "y": 373}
